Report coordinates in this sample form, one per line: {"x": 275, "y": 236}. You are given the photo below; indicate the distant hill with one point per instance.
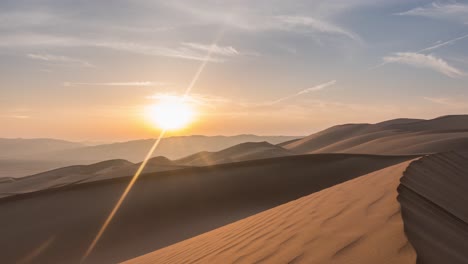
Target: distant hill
{"x": 171, "y": 147}
{"x": 240, "y": 152}
{"x": 76, "y": 174}
{"x": 117, "y": 168}
{"x": 19, "y": 148}
{"x": 20, "y": 157}
{"x": 398, "y": 136}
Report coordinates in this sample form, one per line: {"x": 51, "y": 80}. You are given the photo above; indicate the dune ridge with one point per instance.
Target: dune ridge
{"x": 23, "y": 157}
{"x": 240, "y": 152}
{"x": 434, "y": 203}
{"x": 357, "y": 221}
{"x": 78, "y": 174}
{"x": 393, "y": 137}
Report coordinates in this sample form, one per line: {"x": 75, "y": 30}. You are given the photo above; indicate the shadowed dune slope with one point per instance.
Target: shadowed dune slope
{"x": 165, "y": 208}
{"x": 79, "y": 174}
{"x": 393, "y": 137}
{"x": 241, "y": 152}
{"x": 120, "y": 168}
{"x": 434, "y": 205}
{"x": 357, "y": 222}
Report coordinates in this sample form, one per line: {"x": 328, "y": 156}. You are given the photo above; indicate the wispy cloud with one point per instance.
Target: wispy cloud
{"x": 181, "y": 52}
{"x": 450, "y": 102}
{"x": 135, "y": 84}
{"x": 61, "y": 59}
{"x": 190, "y": 51}
{"x": 17, "y": 116}
{"x": 314, "y": 25}
{"x": 438, "y": 45}
{"x": 424, "y": 61}
{"x": 206, "y": 100}
{"x": 442, "y": 44}
{"x": 214, "y": 49}
{"x": 250, "y": 19}
{"x": 305, "y": 91}
{"x": 448, "y": 11}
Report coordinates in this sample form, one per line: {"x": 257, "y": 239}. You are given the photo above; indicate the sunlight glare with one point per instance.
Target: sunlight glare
{"x": 171, "y": 113}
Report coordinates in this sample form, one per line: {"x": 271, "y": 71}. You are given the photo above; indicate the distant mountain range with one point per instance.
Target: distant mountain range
{"x": 135, "y": 150}
{"x": 394, "y": 137}
{"x": 20, "y": 157}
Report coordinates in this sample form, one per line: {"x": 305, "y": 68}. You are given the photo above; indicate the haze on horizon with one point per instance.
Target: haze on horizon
{"x": 88, "y": 71}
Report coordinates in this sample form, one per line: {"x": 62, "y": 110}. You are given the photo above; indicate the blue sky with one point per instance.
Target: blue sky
{"x": 86, "y": 69}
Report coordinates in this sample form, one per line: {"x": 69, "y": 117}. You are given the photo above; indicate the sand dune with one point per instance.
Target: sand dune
{"x": 241, "y": 152}
{"x": 171, "y": 147}
{"x": 56, "y": 225}
{"x": 393, "y": 137}
{"x": 120, "y": 168}
{"x": 80, "y": 174}
{"x": 434, "y": 207}
{"x": 357, "y": 221}
{"x": 24, "y": 157}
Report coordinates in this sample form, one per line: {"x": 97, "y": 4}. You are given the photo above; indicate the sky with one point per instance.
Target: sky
{"x": 87, "y": 70}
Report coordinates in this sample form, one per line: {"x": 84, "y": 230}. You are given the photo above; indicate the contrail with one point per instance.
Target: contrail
{"x": 308, "y": 90}
{"x": 443, "y": 44}
{"x": 148, "y": 156}
{"x": 436, "y": 46}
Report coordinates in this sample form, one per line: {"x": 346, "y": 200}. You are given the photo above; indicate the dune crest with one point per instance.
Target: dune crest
{"x": 393, "y": 137}
{"x": 433, "y": 199}
{"x": 357, "y": 221}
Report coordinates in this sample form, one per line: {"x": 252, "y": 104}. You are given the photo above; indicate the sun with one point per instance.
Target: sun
{"x": 171, "y": 113}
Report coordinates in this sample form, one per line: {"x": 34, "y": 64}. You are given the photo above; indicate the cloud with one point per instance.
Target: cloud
{"x": 183, "y": 52}
{"x": 313, "y": 24}
{"x": 253, "y": 18}
{"x": 305, "y": 91}
{"x": 442, "y": 44}
{"x": 63, "y": 59}
{"x": 190, "y": 51}
{"x": 450, "y": 102}
{"x": 214, "y": 49}
{"x": 447, "y": 11}
{"x": 424, "y": 61}
{"x": 18, "y": 116}
{"x": 211, "y": 101}
{"x": 438, "y": 45}
{"x": 135, "y": 84}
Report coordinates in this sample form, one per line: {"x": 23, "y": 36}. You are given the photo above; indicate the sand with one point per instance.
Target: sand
{"x": 358, "y": 221}
{"x": 168, "y": 207}
{"x": 434, "y": 205}
{"x": 241, "y": 152}
{"x": 393, "y": 137}
{"x": 78, "y": 174}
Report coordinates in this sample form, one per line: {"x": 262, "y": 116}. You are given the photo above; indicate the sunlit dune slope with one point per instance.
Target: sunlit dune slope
{"x": 164, "y": 208}
{"x": 393, "y": 137}
{"x": 79, "y": 174}
{"x": 357, "y": 222}
{"x": 241, "y": 152}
